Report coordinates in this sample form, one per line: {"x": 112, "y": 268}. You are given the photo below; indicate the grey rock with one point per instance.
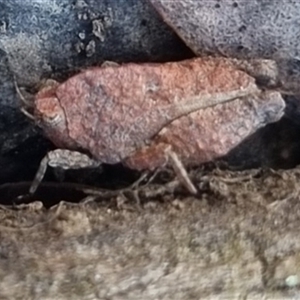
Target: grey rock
{"x": 55, "y": 37}
{"x": 236, "y": 28}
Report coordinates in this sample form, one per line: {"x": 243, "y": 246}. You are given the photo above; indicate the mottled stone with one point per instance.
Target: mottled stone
{"x": 235, "y": 28}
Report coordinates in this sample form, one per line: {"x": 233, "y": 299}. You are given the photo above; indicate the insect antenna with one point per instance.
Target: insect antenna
{"x": 25, "y": 104}
{"x": 27, "y": 114}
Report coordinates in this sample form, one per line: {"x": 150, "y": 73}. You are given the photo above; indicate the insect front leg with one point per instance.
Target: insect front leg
{"x": 62, "y": 158}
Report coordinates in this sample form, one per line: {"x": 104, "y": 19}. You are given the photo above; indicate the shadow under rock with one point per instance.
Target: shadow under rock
{"x": 276, "y": 146}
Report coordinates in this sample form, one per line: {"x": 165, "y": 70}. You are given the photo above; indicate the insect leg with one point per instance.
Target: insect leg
{"x": 180, "y": 170}
{"x": 62, "y": 158}
{"x": 39, "y": 175}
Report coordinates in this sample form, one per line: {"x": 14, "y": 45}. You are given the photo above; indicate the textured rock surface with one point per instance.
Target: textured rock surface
{"x": 21, "y": 148}
{"x": 239, "y": 240}
{"x": 53, "y": 38}
{"x": 236, "y": 28}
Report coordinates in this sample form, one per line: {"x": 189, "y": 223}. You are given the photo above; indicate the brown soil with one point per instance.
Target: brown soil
{"x": 237, "y": 239}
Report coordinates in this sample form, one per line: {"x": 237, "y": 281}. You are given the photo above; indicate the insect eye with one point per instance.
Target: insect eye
{"x": 53, "y": 120}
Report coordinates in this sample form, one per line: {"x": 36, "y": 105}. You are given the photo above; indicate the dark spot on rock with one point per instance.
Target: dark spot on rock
{"x": 242, "y": 28}
{"x": 240, "y": 48}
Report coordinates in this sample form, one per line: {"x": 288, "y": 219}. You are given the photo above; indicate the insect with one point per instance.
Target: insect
{"x": 146, "y": 115}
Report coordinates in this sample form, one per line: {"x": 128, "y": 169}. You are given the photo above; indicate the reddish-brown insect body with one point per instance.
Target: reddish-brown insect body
{"x": 131, "y": 113}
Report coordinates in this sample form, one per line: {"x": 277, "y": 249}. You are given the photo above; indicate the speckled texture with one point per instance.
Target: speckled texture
{"x": 56, "y": 37}
{"x": 238, "y": 240}
{"x": 211, "y": 133}
{"x": 116, "y": 110}
{"x": 236, "y": 28}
